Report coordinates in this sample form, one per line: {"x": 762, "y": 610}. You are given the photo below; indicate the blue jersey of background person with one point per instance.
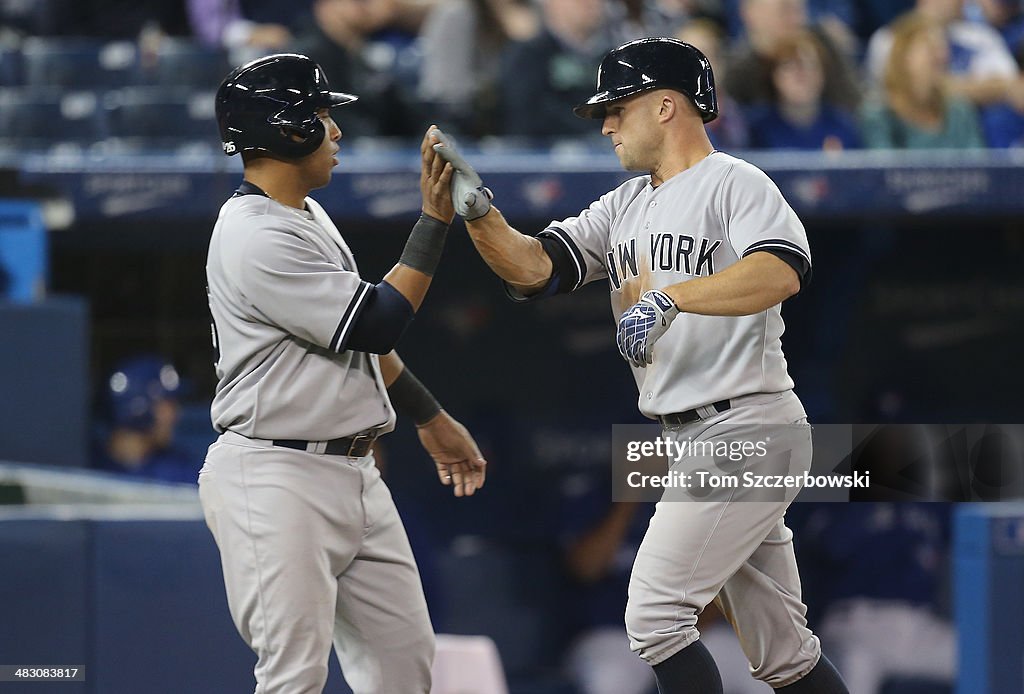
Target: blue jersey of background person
{"x": 909, "y": 543}
{"x": 599, "y": 599}
{"x": 136, "y": 434}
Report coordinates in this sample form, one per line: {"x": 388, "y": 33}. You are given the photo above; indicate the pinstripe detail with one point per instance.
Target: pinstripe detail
{"x": 780, "y": 244}
{"x": 355, "y": 307}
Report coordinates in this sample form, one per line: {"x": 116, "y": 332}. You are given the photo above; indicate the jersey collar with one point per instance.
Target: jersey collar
{"x": 249, "y": 188}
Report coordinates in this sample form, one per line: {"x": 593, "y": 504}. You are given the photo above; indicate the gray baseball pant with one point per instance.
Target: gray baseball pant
{"x": 733, "y": 547}
{"x": 313, "y": 552}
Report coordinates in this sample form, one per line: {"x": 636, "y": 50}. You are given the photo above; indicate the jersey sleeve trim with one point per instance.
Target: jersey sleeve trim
{"x": 799, "y": 264}
{"x": 777, "y": 244}
{"x": 575, "y": 254}
{"x": 549, "y": 289}
{"x": 348, "y": 319}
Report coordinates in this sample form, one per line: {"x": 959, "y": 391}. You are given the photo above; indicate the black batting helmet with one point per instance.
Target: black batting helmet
{"x": 262, "y": 104}
{"x": 655, "y": 63}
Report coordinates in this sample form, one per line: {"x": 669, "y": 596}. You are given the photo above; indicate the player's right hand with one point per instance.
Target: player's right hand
{"x": 435, "y": 179}
{"x": 471, "y": 198}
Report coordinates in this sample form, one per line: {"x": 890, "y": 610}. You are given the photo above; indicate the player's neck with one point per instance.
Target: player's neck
{"x": 280, "y": 185}
{"x": 680, "y": 159}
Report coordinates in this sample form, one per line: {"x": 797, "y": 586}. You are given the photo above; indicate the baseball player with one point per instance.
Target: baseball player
{"x": 142, "y": 409}
{"x": 312, "y": 548}
{"x": 698, "y": 253}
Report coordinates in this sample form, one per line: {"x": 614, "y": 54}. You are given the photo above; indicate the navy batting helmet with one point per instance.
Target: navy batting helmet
{"x": 134, "y": 388}
{"x": 271, "y": 105}
{"x": 655, "y": 63}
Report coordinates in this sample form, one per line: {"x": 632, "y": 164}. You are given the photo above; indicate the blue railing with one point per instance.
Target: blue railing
{"x": 376, "y": 184}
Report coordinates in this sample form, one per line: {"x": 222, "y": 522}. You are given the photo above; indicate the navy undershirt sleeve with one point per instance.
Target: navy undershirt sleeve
{"x": 380, "y": 325}
{"x": 564, "y": 276}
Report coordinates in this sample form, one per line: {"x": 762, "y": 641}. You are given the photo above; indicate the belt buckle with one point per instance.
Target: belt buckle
{"x": 359, "y": 439}
{"x": 678, "y": 419}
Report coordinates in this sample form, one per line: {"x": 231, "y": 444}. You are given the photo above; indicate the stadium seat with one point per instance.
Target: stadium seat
{"x": 156, "y": 117}
{"x": 407, "y": 66}
{"x": 79, "y": 63}
{"x": 181, "y": 63}
{"x": 467, "y": 663}
{"x": 35, "y": 118}
{"x": 32, "y": 16}
{"x": 38, "y": 17}
{"x": 10, "y": 67}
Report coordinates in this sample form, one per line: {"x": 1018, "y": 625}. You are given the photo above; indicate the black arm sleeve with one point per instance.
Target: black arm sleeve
{"x": 564, "y": 275}
{"x": 384, "y": 317}
{"x": 795, "y": 261}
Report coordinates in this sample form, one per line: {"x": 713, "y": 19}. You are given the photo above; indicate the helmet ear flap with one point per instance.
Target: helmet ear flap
{"x": 299, "y": 133}
{"x": 295, "y": 134}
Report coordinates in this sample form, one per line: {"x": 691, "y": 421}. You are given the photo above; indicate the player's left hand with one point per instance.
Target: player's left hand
{"x": 455, "y": 453}
{"x": 642, "y": 324}
{"x": 435, "y": 178}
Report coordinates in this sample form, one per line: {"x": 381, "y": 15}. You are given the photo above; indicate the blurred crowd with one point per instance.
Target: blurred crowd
{"x": 792, "y": 74}
{"x": 818, "y": 75}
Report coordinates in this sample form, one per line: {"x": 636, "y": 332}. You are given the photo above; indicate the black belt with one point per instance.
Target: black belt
{"x": 352, "y": 446}
{"x": 678, "y": 419}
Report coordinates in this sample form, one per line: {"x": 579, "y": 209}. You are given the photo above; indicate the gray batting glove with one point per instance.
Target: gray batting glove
{"x": 642, "y": 324}
{"x": 470, "y": 197}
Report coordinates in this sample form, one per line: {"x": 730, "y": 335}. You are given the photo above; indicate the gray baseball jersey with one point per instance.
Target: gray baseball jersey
{"x": 696, "y": 223}
{"x": 284, "y": 293}
{"x": 733, "y": 548}
{"x": 312, "y": 548}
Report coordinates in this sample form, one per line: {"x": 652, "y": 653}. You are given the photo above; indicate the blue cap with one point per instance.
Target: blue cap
{"x": 136, "y": 385}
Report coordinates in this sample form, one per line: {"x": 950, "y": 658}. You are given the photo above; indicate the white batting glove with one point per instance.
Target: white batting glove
{"x": 470, "y": 197}
{"x": 642, "y": 324}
